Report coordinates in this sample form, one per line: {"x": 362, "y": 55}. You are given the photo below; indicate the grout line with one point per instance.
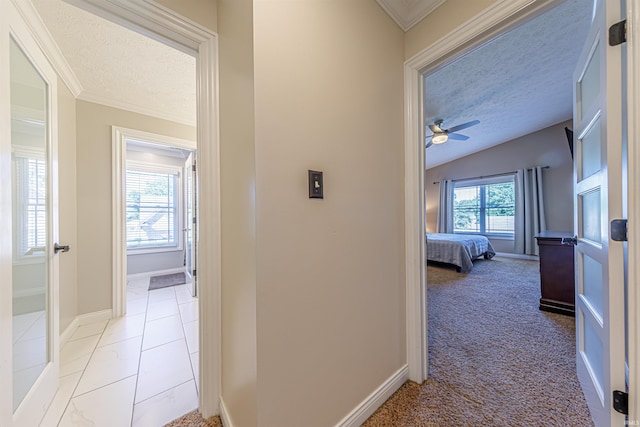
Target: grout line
{"x": 144, "y": 328}
{"x": 66, "y": 407}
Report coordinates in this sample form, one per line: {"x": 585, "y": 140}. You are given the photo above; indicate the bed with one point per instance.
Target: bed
{"x": 458, "y": 249}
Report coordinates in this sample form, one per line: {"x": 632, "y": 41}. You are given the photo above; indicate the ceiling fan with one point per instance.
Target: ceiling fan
{"x": 441, "y": 135}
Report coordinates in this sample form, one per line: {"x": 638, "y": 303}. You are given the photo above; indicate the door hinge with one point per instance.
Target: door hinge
{"x": 195, "y": 220}
{"x": 193, "y": 167}
{"x": 618, "y": 33}
{"x": 193, "y": 273}
{"x": 619, "y": 228}
{"x": 621, "y": 402}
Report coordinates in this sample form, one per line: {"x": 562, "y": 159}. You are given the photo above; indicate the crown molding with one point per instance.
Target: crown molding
{"x": 407, "y": 13}
{"x": 47, "y": 44}
{"x": 184, "y": 119}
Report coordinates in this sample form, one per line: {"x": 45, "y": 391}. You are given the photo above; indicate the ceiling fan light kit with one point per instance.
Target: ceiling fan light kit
{"x": 441, "y": 135}
{"x": 439, "y": 138}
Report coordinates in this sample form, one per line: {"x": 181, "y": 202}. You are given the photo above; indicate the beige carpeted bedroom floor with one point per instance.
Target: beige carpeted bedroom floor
{"x": 495, "y": 359}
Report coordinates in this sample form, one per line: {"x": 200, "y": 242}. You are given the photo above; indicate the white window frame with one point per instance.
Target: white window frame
{"x": 35, "y": 255}
{"x": 484, "y": 181}
{"x": 168, "y": 169}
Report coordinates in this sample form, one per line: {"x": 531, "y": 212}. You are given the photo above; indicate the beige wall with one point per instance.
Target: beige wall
{"x": 203, "y": 12}
{"x": 93, "y": 156}
{"x": 238, "y": 211}
{"x": 68, "y": 205}
{"x": 330, "y": 273}
{"x": 547, "y": 147}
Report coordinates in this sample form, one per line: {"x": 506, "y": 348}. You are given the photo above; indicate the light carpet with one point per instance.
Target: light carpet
{"x": 495, "y": 359}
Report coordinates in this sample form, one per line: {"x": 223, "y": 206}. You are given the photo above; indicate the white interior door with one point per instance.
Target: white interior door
{"x": 32, "y": 275}
{"x": 600, "y": 335}
{"x": 190, "y": 219}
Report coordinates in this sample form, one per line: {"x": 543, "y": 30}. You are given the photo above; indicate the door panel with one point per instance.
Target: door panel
{"x": 31, "y": 281}
{"x": 600, "y": 338}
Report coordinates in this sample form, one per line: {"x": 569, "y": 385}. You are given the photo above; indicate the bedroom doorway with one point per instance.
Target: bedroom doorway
{"x": 416, "y": 67}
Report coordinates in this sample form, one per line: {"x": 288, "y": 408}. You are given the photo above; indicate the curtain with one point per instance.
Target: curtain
{"x": 530, "y": 218}
{"x": 445, "y": 207}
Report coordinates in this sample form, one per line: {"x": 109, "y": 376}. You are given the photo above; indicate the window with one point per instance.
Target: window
{"x": 30, "y": 171}
{"x": 152, "y": 199}
{"x": 485, "y": 206}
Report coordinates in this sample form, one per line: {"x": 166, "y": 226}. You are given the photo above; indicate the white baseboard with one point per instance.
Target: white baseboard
{"x": 368, "y": 406}
{"x": 69, "y": 330}
{"x": 224, "y": 415}
{"x": 83, "y": 319}
{"x": 146, "y": 274}
{"x": 96, "y": 316}
{"x": 518, "y": 256}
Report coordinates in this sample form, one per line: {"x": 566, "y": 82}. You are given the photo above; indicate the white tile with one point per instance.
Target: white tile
{"x": 61, "y": 399}
{"x": 23, "y": 381}
{"x": 183, "y": 294}
{"x": 123, "y": 328}
{"x": 189, "y": 311}
{"x": 22, "y": 322}
{"x": 28, "y": 353}
{"x": 191, "y": 333}
{"x": 162, "y": 331}
{"x": 137, "y": 293}
{"x": 136, "y": 306}
{"x": 162, "y": 368}
{"x": 195, "y": 366}
{"x": 75, "y": 355}
{"x": 38, "y": 328}
{"x": 166, "y": 407}
{"x": 161, "y": 294}
{"x": 110, "y": 406}
{"x": 161, "y": 309}
{"x": 109, "y": 364}
{"x": 88, "y": 330}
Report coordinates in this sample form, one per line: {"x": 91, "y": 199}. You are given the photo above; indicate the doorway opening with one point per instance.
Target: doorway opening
{"x": 154, "y": 210}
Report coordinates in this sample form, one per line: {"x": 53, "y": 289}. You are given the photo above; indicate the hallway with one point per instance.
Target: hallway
{"x": 137, "y": 370}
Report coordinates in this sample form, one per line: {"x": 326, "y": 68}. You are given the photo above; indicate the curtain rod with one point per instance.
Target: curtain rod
{"x": 491, "y": 176}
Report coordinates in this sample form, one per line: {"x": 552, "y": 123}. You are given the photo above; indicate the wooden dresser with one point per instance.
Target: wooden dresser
{"x": 557, "y": 279}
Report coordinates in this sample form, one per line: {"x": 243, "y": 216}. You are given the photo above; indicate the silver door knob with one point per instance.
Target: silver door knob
{"x": 61, "y": 248}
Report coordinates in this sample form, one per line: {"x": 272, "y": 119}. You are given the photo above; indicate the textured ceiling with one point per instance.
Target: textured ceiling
{"x": 516, "y": 84}
{"x": 122, "y": 68}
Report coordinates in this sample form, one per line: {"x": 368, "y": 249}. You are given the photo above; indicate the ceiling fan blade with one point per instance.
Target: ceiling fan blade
{"x": 435, "y": 128}
{"x": 429, "y": 142}
{"x": 463, "y": 126}
{"x": 458, "y": 136}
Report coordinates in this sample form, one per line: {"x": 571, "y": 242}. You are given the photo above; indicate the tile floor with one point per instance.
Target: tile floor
{"x": 137, "y": 370}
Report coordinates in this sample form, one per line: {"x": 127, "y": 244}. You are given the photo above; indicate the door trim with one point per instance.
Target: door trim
{"x": 164, "y": 25}
{"x": 492, "y": 21}
{"x": 119, "y": 137}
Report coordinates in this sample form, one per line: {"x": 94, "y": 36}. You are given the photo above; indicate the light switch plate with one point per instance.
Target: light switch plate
{"x": 316, "y": 186}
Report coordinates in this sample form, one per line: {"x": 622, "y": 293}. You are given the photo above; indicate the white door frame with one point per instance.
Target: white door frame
{"x": 164, "y": 25}
{"x": 493, "y": 20}
{"x": 119, "y": 137}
